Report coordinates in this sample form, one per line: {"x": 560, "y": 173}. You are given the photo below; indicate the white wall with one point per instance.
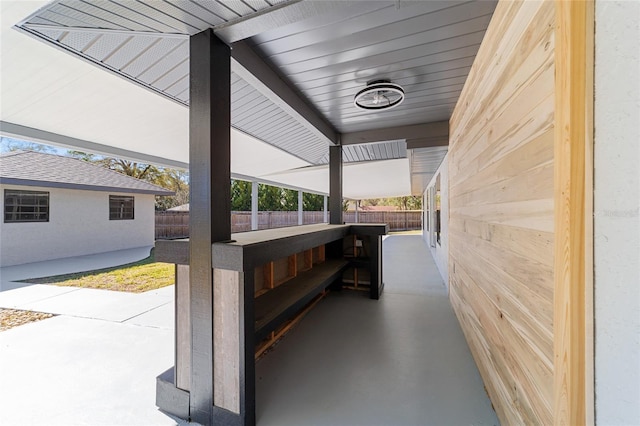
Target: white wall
{"x": 78, "y": 224}
{"x": 441, "y": 251}
{"x": 617, "y": 213}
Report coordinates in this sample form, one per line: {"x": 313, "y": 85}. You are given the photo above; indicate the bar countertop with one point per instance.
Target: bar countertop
{"x": 246, "y": 250}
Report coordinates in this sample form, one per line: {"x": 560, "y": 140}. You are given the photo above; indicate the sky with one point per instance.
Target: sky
{"x": 11, "y": 144}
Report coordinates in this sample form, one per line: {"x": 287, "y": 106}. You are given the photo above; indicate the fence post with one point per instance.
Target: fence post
{"x": 324, "y": 210}
{"x": 357, "y": 202}
{"x": 254, "y": 206}
{"x": 300, "y": 208}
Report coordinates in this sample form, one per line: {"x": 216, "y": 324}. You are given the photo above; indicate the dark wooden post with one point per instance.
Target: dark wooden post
{"x": 335, "y": 185}
{"x": 210, "y": 202}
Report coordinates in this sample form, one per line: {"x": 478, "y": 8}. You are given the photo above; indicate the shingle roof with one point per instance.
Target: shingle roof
{"x": 38, "y": 169}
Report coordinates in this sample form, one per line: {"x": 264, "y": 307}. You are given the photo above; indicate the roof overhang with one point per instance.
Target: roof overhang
{"x": 62, "y": 185}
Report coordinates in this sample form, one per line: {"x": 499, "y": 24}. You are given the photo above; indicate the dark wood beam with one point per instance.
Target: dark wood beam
{"x": 335, "y": 185}
{"x": 271, "y": 18}
{"x": 210, "y": 201}
{"x": 438, "y": 130}
{"x": 251, "y": 67}
{"x": 428, "y": 142}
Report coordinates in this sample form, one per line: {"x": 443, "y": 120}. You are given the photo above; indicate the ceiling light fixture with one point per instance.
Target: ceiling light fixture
{"x": 379, "y": 95}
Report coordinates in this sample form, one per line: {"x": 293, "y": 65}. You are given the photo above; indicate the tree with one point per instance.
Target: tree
{"x": 10, "y": 144}
{"x": 409, "y": 202}
{"x": 240, "y": 196}
{"x": 289, "y": 200}
{"x": 370, "y": 202}
{"x": 171, "y": 179}
{"x": 178, "y": 182}
{"x": 269, "y": 198}
{"x": 312, "y": 202}
{"x": 146, "y": 172}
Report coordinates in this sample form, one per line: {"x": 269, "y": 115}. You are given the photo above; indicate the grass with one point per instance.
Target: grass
{"x": 137, "y": 277}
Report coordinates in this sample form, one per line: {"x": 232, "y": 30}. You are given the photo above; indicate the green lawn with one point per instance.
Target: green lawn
{"x": 137, "y": 277}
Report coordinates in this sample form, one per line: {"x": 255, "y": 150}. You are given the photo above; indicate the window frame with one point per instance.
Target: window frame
{"x": 438, "y": 208}
{"x": 123, "y": 212}
{"x": 38, "y": 208}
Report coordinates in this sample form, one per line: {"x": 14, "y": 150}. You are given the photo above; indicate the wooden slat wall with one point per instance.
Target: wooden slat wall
{"x": 501, "y": 224}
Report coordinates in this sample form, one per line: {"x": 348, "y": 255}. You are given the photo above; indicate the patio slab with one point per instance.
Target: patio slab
{"x": 79, "y": 371}
{"x": 160, "y": 317}
{"x": 95, "y": 304}
{"x": 23, "y": 295}
{"x": 96, "y": 362}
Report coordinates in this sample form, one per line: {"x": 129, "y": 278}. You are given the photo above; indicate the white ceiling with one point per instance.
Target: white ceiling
{"x": 48, "y": 89}
{"x": 388, "y": 178}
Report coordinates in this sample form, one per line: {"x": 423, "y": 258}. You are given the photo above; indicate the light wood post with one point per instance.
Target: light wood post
{"x": 573, "y": 273}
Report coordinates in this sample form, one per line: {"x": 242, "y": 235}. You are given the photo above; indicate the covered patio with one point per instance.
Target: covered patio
{"x": 362, "y": 375}
{"x": 485, "y": 109}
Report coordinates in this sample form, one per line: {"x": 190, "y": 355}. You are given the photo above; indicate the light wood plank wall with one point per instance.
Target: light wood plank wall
{"x": 501, "y": 224}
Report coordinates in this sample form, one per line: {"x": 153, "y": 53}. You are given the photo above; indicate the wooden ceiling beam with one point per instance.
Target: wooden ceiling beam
{"x": 254, "y": 70}
{"x": 418, "y": 135}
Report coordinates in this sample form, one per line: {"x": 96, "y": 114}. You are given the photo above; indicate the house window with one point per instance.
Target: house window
{"x": 120, "y": 207}
{"x": 26, "y": 206}
{"x": 427, "y": 210}
{"x": 438, "y": 204}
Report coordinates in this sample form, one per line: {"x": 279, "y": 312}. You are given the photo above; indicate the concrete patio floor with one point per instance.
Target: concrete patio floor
{"x": 351, "y": 361}
{"x": 401, "y": 360}
{"x": 95, "y": 363}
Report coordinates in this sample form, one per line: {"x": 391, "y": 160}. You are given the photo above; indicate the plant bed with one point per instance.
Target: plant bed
{"x": 10, "y": 318}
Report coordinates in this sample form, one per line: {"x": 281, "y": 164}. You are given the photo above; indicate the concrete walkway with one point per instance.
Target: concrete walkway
{"x": 94, "y": 363}
{"x": 68, "y": 265}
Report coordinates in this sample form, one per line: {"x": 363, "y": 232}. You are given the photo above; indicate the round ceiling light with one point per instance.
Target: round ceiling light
{"x": 379, "y": 95}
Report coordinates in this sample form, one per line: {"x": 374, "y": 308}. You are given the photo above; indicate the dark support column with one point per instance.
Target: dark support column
{"x": 247, "y": 351}
{"x": 375, "y": 266}
{"x": 210, "y": 202}
{"x": 335, "y": 185}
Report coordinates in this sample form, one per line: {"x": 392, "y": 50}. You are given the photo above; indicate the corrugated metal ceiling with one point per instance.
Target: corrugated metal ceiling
{"x": 376, "y": 151}
{"x": 427, "y": 47}
{"x": 160, "y": 16}
{"x": 143, "y": 48}
{"x": 162, "y": 64}
{"x": 424, "y": 162}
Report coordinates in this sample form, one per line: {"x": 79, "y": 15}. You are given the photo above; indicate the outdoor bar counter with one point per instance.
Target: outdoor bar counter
{"x": 261, "y": 280}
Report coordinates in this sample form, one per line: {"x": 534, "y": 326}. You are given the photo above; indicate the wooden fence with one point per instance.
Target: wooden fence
{"x": 403, "y": 220}
{"x": 170, "y": 225}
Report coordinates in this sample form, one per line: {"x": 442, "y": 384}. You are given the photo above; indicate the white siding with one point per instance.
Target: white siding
{"x": 78, "y": 224}
{"x": 440, "y": 251}
{"x": 617, "y": 215}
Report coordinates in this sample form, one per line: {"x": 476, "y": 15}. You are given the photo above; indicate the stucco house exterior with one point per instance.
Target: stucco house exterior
{"x": 55, "y": 207}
